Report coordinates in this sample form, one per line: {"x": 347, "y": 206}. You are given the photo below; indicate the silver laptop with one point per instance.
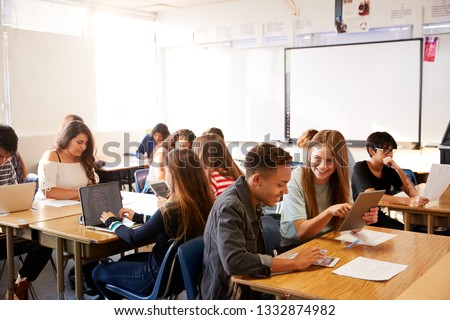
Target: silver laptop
{"x": 16, "y": 197}
{"x": 97, "y": 198}
{"x": 363, "y": 203}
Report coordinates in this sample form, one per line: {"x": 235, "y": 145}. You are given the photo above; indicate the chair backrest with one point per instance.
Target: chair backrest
{"x": 271, "y": 234}
{"x": 410, "y": 175}
{"x": 140, "y": 176}
{"x": 190, "y": 256}
{"x": 162, "y": 287}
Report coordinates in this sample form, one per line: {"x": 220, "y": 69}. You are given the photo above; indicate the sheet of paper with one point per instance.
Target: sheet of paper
{"x": 369, "y": 269}
{"x": 367, "y": 237}
{"x": 437, "y": 181}
{"x": 60, "y": 203}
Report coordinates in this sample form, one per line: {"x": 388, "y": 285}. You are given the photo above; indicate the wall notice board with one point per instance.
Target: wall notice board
{"x": 356, "y": 89}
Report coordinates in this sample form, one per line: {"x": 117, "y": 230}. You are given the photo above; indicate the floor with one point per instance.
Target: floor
{"x": 45, "y": 285}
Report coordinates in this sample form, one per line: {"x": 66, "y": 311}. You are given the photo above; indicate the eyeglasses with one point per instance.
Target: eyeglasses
{"x": 385, "y": 151}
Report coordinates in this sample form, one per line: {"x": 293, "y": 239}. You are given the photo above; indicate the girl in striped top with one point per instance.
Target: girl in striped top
{"x": 221, "y": 169}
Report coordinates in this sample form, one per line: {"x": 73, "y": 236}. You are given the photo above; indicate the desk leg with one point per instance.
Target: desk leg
{"x": 10, "y": 260}
{"x": 78, "y": 271}
{"x": 60, "y": 269}
{"x": 407, "y": 220}
{"x": 430, "y": 224}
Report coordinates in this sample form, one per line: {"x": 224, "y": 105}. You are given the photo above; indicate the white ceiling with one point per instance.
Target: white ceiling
{"x": 153, "y": 6}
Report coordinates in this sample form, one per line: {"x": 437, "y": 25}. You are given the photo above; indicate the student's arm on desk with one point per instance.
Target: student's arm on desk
{"x": 406, "y": 201}
{"x": 61, "y": 194}
{"x": 302, "y": 260}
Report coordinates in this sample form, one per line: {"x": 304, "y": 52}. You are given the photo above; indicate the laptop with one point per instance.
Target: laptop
{"x": 363, "y": 203}
{"x": 97, "y": 198}
{"x": 16, "y": 197}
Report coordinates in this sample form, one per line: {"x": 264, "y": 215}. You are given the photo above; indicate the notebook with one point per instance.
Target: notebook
{"x": 363, "y": 203}
{"x": 97, "y": 198}
{"x": 17, "y": 197}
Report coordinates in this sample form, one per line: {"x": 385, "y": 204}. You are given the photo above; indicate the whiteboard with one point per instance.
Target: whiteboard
{"x": 356, "y": 89}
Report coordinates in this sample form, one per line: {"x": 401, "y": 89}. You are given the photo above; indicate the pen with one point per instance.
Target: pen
{"x": 352, "y": 244}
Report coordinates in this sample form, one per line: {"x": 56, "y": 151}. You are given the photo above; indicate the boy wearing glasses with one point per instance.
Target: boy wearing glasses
{"x": 382, "y": 172}
{"x": 37, "y": 255}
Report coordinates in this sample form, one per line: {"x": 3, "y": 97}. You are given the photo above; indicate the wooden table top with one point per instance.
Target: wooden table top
{"x": 419, "y": 251}
{"x": 40, "y": 212}
{"x": 440, "y": 206}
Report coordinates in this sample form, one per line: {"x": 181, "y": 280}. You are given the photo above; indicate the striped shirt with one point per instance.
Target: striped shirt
{"x": 7, "y": 174}
{"x": 219, "y": 183}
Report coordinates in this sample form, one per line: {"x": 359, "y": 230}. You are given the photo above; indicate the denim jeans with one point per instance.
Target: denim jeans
{"x": 135, "y": 272}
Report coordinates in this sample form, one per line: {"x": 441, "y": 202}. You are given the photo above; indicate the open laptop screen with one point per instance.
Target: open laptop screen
{"x": 98, "y": 198}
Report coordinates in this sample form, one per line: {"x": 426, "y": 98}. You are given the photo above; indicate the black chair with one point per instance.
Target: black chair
{"x": 271, "y": 234}
{"x": 164, "y": 287}
{"x": 140, "y": 176}
{"x": 190, "y": 256}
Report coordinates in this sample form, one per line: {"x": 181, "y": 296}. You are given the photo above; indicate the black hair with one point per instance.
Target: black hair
{"x": 8, "y": 139}
{"x": 380, "y": 140}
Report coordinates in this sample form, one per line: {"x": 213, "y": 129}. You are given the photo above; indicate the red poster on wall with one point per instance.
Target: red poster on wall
{"x": 430, "y": 49}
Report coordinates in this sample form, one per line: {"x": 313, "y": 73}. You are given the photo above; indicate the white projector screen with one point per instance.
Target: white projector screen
{"x": 356, "y": 89}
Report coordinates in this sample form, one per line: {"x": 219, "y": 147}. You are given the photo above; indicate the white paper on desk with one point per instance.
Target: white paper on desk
{"x": 60, "y": 203}
{"x": 437, "y": 181}
{"x": 367, "y": 237}
{"x": 369, "y": 269}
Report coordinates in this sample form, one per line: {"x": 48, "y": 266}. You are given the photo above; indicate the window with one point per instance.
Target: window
{"x": 125, "y": 72}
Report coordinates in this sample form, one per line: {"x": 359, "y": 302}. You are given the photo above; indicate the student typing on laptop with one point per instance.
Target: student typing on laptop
{"x": 182, "y": 217}
{"x": 69, "y": 165}
{"x": 319, "y": 192}
{"x": 37, "y": 255}
{"x": 381, "y": 172}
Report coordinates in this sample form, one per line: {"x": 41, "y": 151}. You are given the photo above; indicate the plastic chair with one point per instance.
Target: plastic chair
{"x": 410, "y": 175}
{"x": 140, "y": 176}
{"x": 190, "y": 256}
{"x": 164, "y": 287}
{"x": 271, "y": 234}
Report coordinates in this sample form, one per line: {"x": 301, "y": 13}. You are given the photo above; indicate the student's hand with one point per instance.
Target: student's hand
{"x": 105, "y": 216}
{"x": 417, "y": 201}
{"x": 371, "y": 216}
{"x": 307, "y": 257}
{"x": 389, "y": 161}
{"x": 126, "y": 213}
{"x": 339, "y": 210}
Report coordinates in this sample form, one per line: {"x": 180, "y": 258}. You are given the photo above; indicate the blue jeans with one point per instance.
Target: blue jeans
{"x": 135, "y": 272}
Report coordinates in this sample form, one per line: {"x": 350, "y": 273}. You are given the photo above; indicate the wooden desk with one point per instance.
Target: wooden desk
{"x": 119, "y": 169}
{"x": 432, "y": 285}
{"x": 68, "y": 235}
{"x": 438, "y": 209}
{"x": 417, "y": 250}
{"x": 17, "y": 224}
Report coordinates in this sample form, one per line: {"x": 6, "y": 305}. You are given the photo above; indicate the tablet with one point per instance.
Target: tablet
{"x": 363, "y": 203}
{"x": 160, "y": 188}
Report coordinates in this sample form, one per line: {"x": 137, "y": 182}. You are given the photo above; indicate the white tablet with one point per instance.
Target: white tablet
{"x": 363, "y": 203}
{"x": 160, "y": 188}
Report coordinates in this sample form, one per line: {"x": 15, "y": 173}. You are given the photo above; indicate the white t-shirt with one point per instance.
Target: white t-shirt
{"x": 61, "y": 175}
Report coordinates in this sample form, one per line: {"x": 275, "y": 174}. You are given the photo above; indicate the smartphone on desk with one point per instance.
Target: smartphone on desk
{"x": 160, "y": 188}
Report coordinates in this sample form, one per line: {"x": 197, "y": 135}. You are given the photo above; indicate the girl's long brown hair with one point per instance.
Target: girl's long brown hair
{"x": 70, "y": 131}
{"x": 214, "y": 154}
{"x": 190, "y": 195}
{"x": 339, "y": 181}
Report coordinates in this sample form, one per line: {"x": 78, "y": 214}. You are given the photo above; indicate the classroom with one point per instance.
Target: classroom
{"x": 124, "y": 66}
